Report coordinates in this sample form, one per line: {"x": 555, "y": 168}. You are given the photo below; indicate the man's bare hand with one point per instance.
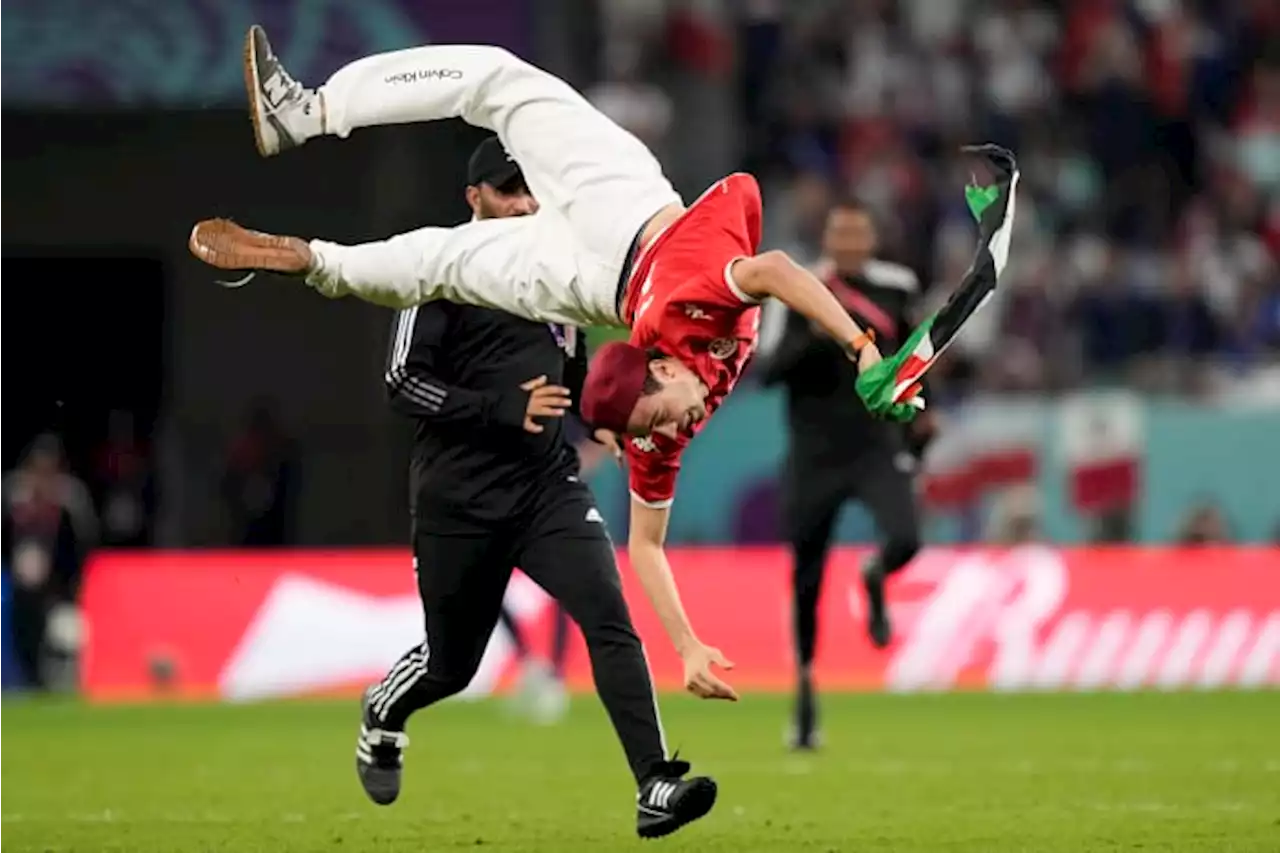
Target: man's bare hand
{"x": 700, "y": 680}
{"x": 868, "y": 356}
{"x": 545, "y": 401}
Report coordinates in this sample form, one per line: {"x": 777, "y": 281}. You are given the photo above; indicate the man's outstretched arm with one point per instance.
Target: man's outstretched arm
{"x": 775, "y": 274}
{"x": 649, "y": 560}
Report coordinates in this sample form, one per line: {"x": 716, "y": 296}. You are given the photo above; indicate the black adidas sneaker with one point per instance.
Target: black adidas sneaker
{"x": 667, "y": 801}
{"x": 379, "y": 757}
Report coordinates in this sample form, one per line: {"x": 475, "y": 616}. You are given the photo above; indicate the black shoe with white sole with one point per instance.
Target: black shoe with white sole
{"x": 668, "y": 801}
{"x": 379, "y": 757}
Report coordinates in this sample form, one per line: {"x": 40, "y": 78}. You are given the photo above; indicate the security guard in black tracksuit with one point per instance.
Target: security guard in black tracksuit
{"x": 494, "y": 486}
{"x": 838, "y": 450}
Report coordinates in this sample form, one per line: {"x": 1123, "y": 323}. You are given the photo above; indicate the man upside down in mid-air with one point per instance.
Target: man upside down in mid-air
{"x": 612, "y": 244}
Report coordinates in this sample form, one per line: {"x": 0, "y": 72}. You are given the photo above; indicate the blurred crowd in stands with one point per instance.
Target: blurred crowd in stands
{"x": 1148, "y": 132}
{"x": 54, "y": 518}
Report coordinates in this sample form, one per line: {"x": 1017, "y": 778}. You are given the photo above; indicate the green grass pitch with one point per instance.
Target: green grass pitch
{"x": 980, "y": 772}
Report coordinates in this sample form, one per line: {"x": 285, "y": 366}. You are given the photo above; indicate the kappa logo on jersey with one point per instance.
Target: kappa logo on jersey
{"x": 644, "y": 444}
{"x": 693, "y": 312}
{"x": 722, "y": 348}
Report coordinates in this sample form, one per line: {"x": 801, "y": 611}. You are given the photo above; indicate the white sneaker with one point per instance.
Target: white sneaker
{"x": 551, "y": 703}
{"x": 539, "y": 695}
{"x": 284, "y": 113}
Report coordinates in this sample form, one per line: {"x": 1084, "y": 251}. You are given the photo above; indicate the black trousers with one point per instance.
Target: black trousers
{"x": 881, "y": 479}
{"x": 463, "y": 571}
{"x": 28, "y": 620}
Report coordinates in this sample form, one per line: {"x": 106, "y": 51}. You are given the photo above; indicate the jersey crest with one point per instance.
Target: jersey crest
{"x": 723, "y": 348}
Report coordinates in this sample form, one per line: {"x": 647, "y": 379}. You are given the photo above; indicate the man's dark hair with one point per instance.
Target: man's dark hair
{"x": 850, "y": 204}
{"x": 651, "y": 383}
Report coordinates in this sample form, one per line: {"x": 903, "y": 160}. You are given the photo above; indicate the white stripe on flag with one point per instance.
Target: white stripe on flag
{"x": 1004, "y": 234}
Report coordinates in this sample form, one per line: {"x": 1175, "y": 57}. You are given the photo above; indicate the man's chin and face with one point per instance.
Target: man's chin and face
{"x": 849, "y": 238}
{"x": 502, "y": 202}
{"x": 675, "y": 408}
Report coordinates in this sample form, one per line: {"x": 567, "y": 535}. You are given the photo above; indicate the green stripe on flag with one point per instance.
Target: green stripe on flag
{"x": 878, "y": 384}
{"x": 980, "y": 198}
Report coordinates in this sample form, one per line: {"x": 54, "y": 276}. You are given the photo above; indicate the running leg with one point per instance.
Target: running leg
{"x": 461, "y": 580}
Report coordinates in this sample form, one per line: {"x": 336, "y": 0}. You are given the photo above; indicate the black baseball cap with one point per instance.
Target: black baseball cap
{"x": 491, "y": 164}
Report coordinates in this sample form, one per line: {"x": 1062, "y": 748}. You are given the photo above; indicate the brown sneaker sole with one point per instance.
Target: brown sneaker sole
{"x": 251, "y": 87}
{"x": 223, "y": 244}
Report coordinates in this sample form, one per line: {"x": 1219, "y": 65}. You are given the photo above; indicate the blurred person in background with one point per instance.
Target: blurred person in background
{"x": 49, "y": 528}
{"x": 496, "y": 484}
{"x": 125, "y": 485}
{"x": 1205, "y": 524}
{"x": 259, "y": 485}
{"x": 837, "y": 451}
{"x": 1015, "y": 517}
{"x": 1112, "y": 527}
{"x": 640, "y": 107}
{"x": 796, "y": 224}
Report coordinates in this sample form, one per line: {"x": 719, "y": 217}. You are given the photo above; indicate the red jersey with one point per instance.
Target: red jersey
{"x": 681, "y": 298}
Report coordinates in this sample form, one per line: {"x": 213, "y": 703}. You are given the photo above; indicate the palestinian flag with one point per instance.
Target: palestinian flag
{"x": 891, "y": 388}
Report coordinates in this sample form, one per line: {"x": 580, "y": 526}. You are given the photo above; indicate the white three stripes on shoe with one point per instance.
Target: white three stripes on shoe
{"x": 370, "y": 738}
{"x": 660, "y": 794}
{"x": 362, "y": 746}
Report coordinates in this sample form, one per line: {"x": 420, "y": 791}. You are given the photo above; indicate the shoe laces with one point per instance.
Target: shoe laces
{"x": 674, "y": 768}
{"x": 292, "y": 93}
{"x": 385, "y": 747}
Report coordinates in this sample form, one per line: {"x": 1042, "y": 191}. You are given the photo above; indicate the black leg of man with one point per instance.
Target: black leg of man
{"x": 810, "y": 516}
{"x": 882, "y": 482}
{"x": 567, "y": 551}
{"x": 884, "y": 486}
{"x": 563, "y": 546}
